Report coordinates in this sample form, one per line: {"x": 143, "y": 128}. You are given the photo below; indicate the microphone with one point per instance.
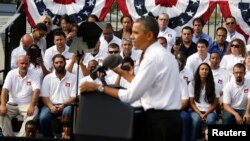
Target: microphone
{"x": 110, "y": 62}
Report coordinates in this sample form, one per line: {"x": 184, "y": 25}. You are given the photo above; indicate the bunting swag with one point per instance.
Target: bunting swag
{"x": 78, "y": 10}
{"x": 181, "y": 12}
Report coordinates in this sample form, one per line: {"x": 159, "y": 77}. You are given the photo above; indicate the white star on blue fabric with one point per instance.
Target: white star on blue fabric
{"x": 195, "y": 1}
{"x": 86, "y": 12}
{"x": 139, "y": 6}
{"x": 37, "y": 1}
{"x": 182, "y": 21}
{"x": 190, "y": 13}
{"x": 90, "y": 2}
{"x": 45, "y": 12}
{"x": 244, "y": 10}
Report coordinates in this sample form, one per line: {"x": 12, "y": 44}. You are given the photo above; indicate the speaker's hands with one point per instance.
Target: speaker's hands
{"x": 88, "y": 87}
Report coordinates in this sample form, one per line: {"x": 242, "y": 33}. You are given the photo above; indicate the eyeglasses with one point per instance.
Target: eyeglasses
{"x": 163, "y": 19}
{"x": 229, "y": 23}
{"x": 235, "y": 46}
{"x": 113, "y": 52}
{"x": 47, "y": 22}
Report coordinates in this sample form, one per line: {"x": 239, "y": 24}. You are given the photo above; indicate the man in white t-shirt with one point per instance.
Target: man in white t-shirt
{"x": 236, "y": 98}
{"x": 19, "y": 96}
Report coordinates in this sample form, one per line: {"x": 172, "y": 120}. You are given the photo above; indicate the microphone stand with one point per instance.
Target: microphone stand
{"x": 75, "y": 105}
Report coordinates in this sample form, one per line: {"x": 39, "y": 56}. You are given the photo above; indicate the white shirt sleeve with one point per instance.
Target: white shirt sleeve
{"x": 45, "y": 92}
{"x": 226, "y": 94}
{"x": 191, "y": 89}
{"x": 8, "y": 81}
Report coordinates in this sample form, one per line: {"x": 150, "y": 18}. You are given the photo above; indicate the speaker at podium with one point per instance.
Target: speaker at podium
{"x": 102, "y": 117}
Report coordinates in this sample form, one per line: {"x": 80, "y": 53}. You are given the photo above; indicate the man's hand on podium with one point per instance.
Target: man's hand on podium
{"x": 88, "y": 87}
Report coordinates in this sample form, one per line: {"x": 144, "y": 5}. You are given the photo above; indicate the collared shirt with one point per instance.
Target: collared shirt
{"x": 221, "y": 78}
{"x": 188, "y": 50}
{"x": 21, "y": 89}
{"x": 157, "y": 81}
{"x": 104, "y": 44}
{"x": 89, "y": 79}
{"x": 170, "y": 35}
{"x": 186, "y": 75}
{"x": 215, "y": 48}
{"x": 50, "y": 52}
{"x": 195, "y": 39}
{"x": 236, "y": 35}
{"x": 42, "y": 44}
{"x": 237, "y": 96}
{"x": 135, "y": 56}
{"x": 59, "y": 91}
{"x": 184, "y": 89}
{"x": 202, "y": 105}
{"x": 15, "y": 54}
{"x": 228, "y": 62}
{"x": 194, "y": 61}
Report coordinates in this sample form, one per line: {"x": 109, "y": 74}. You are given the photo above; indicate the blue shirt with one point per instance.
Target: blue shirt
{"x": 215, "y": 48}
{"x": 195, "y": 39}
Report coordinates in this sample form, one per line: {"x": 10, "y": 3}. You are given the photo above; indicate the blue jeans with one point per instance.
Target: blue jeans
{"x": 228, "y": 118}
{"x": 196, "y": 122}
{"x": 46, "y": 117}
{"x": 185, "y": 115}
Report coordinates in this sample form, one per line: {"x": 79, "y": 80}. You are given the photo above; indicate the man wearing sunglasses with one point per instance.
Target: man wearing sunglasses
{"x": 231, "y": 28}
{"x": 113, "y": 48}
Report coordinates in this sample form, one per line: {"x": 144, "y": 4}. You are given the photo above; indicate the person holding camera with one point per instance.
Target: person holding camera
{"x": 36, "y": 61}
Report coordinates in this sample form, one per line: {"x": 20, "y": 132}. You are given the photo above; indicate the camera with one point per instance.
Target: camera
{"x": 34, "y": 53}
{"x": 178, "y": 41}
{"x": 125, "y": 67}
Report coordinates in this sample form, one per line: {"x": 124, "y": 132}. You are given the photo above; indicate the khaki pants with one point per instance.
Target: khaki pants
{"x": 13, "y": 111}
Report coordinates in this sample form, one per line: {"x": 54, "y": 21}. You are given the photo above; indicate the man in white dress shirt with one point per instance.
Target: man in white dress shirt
{"x": 25, "y": 43}
{"x": 231, "y": 28}
{"x": 166, "y": 31}
{"x": 160, "y": 99}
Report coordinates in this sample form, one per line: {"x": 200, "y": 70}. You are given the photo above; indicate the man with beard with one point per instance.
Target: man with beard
{"x": 58, "y": 93}
{"x": 236, "y": 98}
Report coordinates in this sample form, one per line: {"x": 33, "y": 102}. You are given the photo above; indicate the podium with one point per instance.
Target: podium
{"x": 102, "y": 117}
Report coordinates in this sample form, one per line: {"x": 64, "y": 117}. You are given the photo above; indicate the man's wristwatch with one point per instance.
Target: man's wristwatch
{"x": 101, "y": 88}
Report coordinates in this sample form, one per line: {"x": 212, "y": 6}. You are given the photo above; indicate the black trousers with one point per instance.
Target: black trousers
{"x": 163, "y": 125}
